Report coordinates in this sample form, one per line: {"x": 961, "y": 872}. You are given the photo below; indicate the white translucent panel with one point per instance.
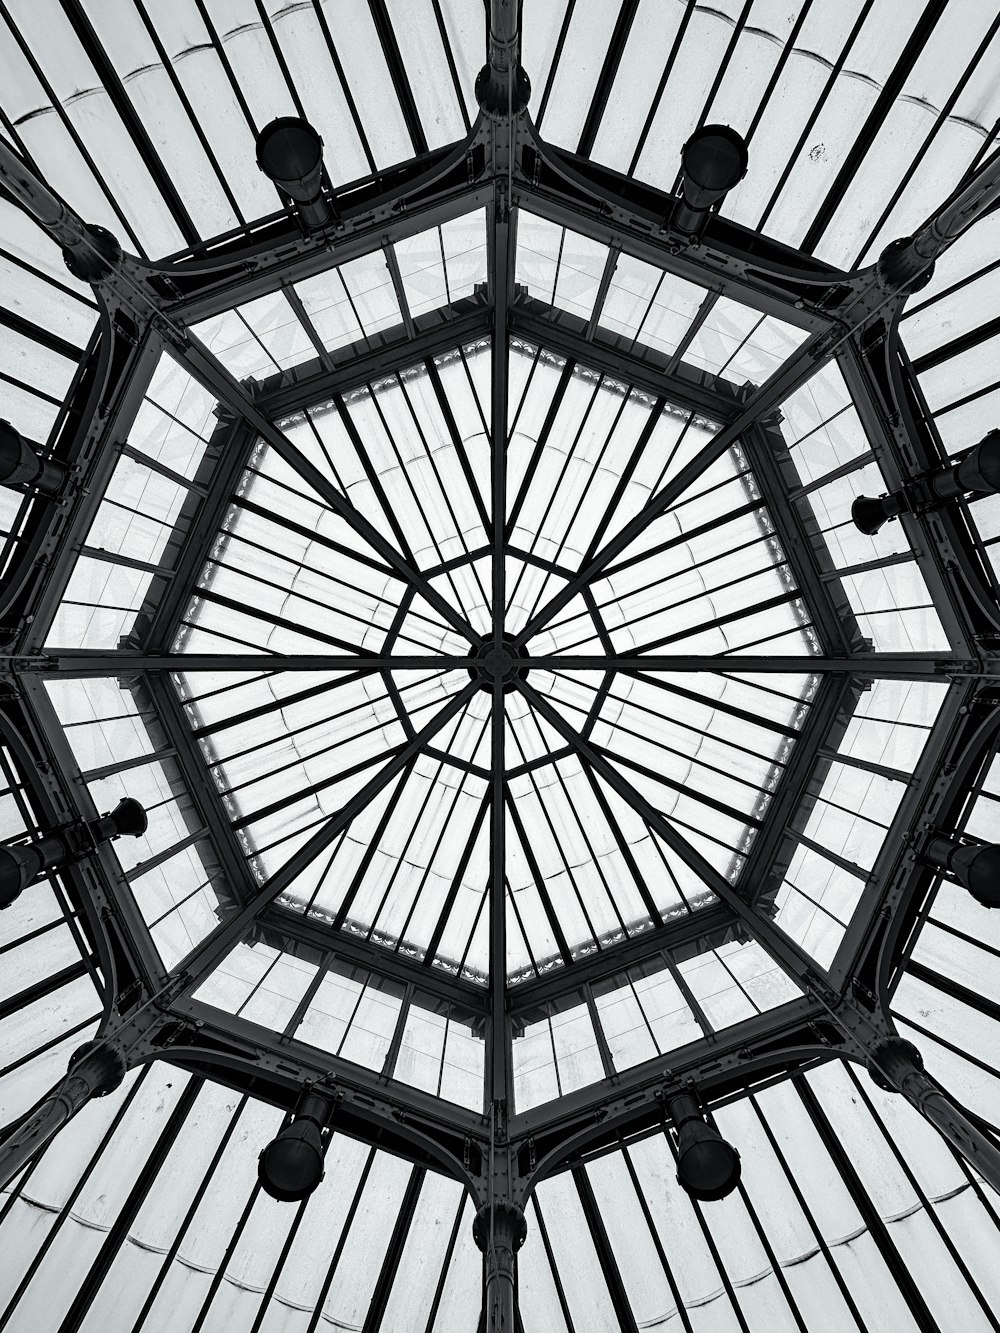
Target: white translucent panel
{"x": 416, "y": 1279}
{"x": 418, "y": 34}
{"x": 558, "y": 266}
{"x": 959, "y": 960}
{"x": 742, "y": 345}
{"x": 555, "y": 1055}
{"x": 32, "y": 415}
{"x": 871, "y": 57}
{"x": 179, "y": 900}
{"x": 48, "y": 33}
{"x": 173, "y": 136}
{"x": 299, "y": 32}
{"x": 674, "y": 1220}
{"x": 12, "y": 510}
{"x": 714, "y": 987}
{"x": 237, "y": 977}
{"x": 573, "y": 1254}
{"x": 99, "y": 605}
{"x": 852, "y": 813}
{"x": 168, "y": 808}
{"x": 442, "y": 1056}
{"x": 369, "y": 284}
{"x": 138, "y": 513}
{"x": 707, "y": 35}
{"x": 38, "y": 300}
{"x": 357, "y": 42}
{"x": 352, "y": 1017}
{"x": 961, "y": 376}
{"x": 644, "y": 1017}
{"x": 936, "y": 75}
{"x": 199, "y": 69}
{"x": 646, "y": 1284}
{"x": 257, "y": 339}
{"x": 34, "y": 365}
{"x": 894, "y": 610}
{"x": 647, "y": 48}
{"x": 329, "y": 308}
{"x": 175, "y": 391}
{"x": 891, "y": 721}
{"x": 68, "y": 1009}
{"x": 102, "y": 721}
{"x": 462, "y": 1286}
{"x": 953, "y": 315}
{"x": 649, "y": 306}
{"x": 824, "y": 446}
{"x": 42, "y": 288}
{"x": 31, "y": 912}
{"x": 816, "y": 901}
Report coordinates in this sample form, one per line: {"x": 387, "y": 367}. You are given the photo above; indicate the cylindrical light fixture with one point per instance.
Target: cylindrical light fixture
{"x": 291, "y": 1166}
{"x": 708, "y": 1167}
{"x": 870, "y": 514}
{"x": 290, "y": 153}
{"x": 713, "y": 160}
{"x": 22, "y": 465}
{"x": 21, "y": 864}
{"x": 976, "y": 473}
{"x": 976, "y": 866}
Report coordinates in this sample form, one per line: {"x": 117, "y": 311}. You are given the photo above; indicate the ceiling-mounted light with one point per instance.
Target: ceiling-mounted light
{"x": 713, "y": 160}
{"x": 708, "y": 1167}
{"x": 976, "y": 865}
{"x": 22, "y": 465}
{"x": 290, "y": 153}
{"x": 21, "y": 864}
{"x": 291, "y": 1166}
{"x": 977, "y": 473}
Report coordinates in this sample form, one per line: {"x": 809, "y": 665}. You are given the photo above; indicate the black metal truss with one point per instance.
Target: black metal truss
{"x": 150, "y": 308}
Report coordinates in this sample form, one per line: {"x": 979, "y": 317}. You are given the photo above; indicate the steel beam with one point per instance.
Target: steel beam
{"x": 98, "y": 888}
{"x": 708, "y": 920}
{"x": 774, "y": 390}
{"x": 278, "y": 399}
{"x": 907, "y": 666}
{"x": 807, "y": 556}
{"x": 794, "y": 798}
{"x": 223, "y": 463}
{"x": 206, "y": 955}
{"x": 499, "y": 1088}
{"x": 287, "y": 929}
{"x": 193, "y": 767}
{"x": 717, "y": 401}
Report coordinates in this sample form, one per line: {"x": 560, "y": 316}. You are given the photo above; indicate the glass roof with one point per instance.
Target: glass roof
{"x": 331, "y": 582}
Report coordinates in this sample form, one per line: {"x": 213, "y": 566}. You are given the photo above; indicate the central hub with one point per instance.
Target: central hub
{"x": 501, "y": 664}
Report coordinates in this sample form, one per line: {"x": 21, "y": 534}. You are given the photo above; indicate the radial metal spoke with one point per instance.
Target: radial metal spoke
{"x": 203, "y": 958}
{"x": 782, "y": 949}
{"x": 501, "y": 277}
{"x": 794, "y": 372}
{"x": 906, "y": 665}
{"x": 208, "y": 370}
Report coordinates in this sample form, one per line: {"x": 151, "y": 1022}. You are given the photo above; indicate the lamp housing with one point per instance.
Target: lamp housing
{"x": 975, "y": 865}
{"x": 708, "y": 1167}
{"x": 21, "y": 864}
{"x": 22, "y": 465}
{"x": 291, "y": 1166}
{"x": 290, "y": 154}
{"x": 713, "y": 160}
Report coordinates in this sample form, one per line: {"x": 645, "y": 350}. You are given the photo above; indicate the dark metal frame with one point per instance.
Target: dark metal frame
{"x": 500, "y": 165}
